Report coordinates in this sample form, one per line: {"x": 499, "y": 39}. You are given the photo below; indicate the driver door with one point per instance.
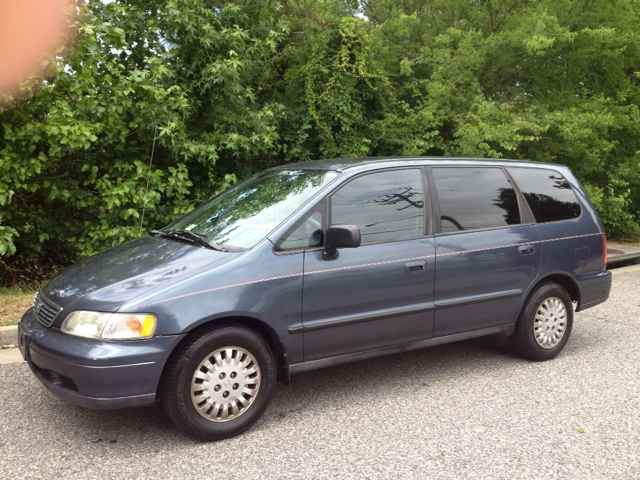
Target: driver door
{"x": 381, "y": 293}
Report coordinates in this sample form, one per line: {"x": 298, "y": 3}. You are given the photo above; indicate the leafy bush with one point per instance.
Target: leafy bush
{"x": 221, "y": 90}
{"x": 75, "y": 148}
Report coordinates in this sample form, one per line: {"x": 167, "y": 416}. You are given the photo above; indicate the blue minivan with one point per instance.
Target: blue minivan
{"x": 316, "y": 264}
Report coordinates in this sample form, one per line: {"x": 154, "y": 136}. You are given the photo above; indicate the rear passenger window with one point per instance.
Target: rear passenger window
{"x": 475, "y": 198}
{"x": 548, "y": 193}
{"x": 385, "y": 206}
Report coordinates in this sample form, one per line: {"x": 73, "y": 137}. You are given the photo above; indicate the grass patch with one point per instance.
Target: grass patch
{"x": 13, "y": 303}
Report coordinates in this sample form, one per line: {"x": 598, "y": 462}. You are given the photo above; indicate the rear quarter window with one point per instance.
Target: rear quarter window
{"x": 548, "y": 194}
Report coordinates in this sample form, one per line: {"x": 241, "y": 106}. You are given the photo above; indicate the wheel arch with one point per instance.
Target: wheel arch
{"x": 565, "y": 281}
{"x": 261, "y": 328}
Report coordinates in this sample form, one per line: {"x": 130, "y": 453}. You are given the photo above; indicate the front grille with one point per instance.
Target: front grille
{"x": 46, "y": 311}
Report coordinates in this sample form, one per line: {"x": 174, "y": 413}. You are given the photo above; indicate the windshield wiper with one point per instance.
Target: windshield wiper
{"x": 190, "y": 237}
{"x": 198, "y": 237}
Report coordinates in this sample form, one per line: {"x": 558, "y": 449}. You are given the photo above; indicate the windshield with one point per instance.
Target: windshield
{"x": 246, "y": 213}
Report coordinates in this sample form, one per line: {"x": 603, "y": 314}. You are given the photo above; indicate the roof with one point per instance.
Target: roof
{"x": 347, "y": 163}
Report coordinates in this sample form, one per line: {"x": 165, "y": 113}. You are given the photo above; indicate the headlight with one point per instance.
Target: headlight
{"x": 110, "y": 326}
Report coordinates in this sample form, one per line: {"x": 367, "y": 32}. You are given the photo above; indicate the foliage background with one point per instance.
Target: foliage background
{"x": 230, "y": 88}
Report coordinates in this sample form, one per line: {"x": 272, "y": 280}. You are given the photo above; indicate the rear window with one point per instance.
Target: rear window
{"x": 548, "y": 193}
{"x": 473, "y": 198}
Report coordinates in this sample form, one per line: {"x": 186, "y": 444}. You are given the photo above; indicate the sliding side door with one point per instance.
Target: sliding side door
{"x": 487, "y": 251}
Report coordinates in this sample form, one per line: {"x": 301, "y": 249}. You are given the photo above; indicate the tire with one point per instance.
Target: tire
{"x": 545, "y": 323}
{"x": 237, "y": 372}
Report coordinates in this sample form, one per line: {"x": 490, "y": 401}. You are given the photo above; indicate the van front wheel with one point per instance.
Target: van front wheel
{"x": 220, "y": 382}
{"x": 544, "y": 325}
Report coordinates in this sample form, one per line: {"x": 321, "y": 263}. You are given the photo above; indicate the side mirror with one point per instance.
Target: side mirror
{"x": 340, "y": 236}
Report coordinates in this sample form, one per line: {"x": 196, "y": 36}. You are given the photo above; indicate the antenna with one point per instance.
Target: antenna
{"x": 144, "y": 206}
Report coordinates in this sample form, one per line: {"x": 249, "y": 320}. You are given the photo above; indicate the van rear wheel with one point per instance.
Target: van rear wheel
{"x": 544, "y": 325}
{"x": 220, "y": 383}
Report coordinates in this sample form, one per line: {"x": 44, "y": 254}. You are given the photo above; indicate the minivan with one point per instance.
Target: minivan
{"x": 316, "y": 264}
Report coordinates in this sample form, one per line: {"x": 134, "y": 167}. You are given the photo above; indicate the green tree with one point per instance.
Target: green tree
{"x": 546, "y": 81}
{"x": 75, "y": 147}
{"x": 234, "y": 87}
{"x": 343, "y": 95}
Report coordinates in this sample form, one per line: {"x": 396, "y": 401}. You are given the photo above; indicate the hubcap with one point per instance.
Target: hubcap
{"x": 550, "y": 322}
{"x": 225, "y": 384}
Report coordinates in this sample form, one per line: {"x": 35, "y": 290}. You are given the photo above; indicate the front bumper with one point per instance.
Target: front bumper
{"x": 94, "y": 373}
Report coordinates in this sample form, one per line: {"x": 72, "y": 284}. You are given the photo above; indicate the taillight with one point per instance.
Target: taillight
{"x": 604, "y": 242}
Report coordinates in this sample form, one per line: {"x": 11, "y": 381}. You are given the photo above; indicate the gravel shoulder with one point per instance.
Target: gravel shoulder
{"x": 464, "y": 410}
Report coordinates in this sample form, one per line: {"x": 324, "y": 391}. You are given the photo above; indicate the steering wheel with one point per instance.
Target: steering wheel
{"x": 315, "y": 226}
{"x": 452, "y": 220}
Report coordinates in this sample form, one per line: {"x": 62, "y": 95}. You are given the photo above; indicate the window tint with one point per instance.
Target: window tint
{"x": 307, "y": 234}
{"x": 474, "y": 198}
{"x": 385, "y": 206}
{"x": 548, "y": 193}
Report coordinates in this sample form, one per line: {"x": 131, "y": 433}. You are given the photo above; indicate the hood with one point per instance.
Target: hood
{"x": 108, "y": 279}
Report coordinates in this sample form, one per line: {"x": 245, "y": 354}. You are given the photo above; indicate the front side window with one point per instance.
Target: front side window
{"x": 548, "y": 193}
{"x": 385, "y": 206}
{"x": 246, "y": 213}
{"x": 475, "y": 198}
{"x": 308, "y": 234}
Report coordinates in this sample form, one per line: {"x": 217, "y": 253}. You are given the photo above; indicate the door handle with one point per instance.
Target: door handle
{"x": 415, "y": 266}
{"x": 526, "y": 249}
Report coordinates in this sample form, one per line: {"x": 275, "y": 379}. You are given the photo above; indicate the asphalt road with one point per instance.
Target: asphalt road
{"x": 469, "y": 410}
